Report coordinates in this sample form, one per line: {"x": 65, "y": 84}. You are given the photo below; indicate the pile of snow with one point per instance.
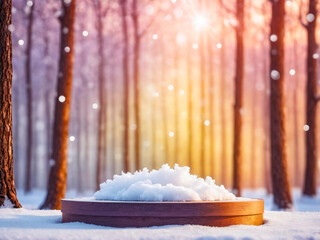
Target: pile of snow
{"x": 165, "y": 184}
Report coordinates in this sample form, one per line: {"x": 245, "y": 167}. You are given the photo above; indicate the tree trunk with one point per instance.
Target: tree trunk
{"x": 280, "y": 181}
{"x": 47, "y": 100}
{"x": 310, "y": 179}
{"x": 113, "y": 119}
{"x": 211, "y": 106}
{"x": 163, "y": 95}
{"x": 80, "y": 136}
{"x": 136, "y": 79}
{"x": 296, "y": 126}
{"x": 125, "y": 70}
{"x": 190, "y": 109}
{"x": 58, "y": 171}
{"x": 101, "y": 92}
{"x": 105, "y": 138}
{"x": 266, "y": 124}
{"x": 87, "y": 169}
{"x": 7, "y": 187}
{"x": 176, "y": 153}
{"x": 224, "y": 155}
{"x": 253, "y": 119}
{"x": 29, "y": 139}
{"x": 202, "y": 98}
{"x": 237, "y": 156}
{"x": 154, "y": 123}
{"x": 16, "y": 133}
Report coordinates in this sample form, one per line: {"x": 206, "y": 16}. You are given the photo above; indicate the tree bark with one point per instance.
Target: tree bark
{"x": 125, "y": 70}
{"x": 7, "y": 187}
{"x": 58, "y": 171}
{"x": 29, "y": 139}
{"x": 237, "y": 155}
{"x": 310, "y": 179}
{"x": 280, "y": 182}
{"x": 16, "y": 132}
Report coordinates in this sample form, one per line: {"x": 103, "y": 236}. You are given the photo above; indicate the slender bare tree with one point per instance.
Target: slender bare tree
{"x": 280, "y": 182}
{"x": 202, "y": 70}
{"x": 190, "y": 108}
{"x": 58, "y": 172}
{"x": 163, "y": 96}
{"x": 310, "y": 179}
{"x": 237, "y": 156}
{"x": 101, "y": 14}
{"x": 136, "y": 78}
{"x": 125, "y": 71}
{"x": 223, "y": 64}
{"x": 29, "y": 140}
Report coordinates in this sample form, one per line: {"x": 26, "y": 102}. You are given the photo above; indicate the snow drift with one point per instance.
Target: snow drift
{"x": 165, "y": 184}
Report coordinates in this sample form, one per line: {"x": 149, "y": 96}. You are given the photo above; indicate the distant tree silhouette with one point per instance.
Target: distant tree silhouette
{"x": 212, "y": 148}
{"x": 125, "y": 71}
{"x": 190, "y": 108}
{"x": 222, "y": 79}
{"x": 29, "y": 140}
{"x": 136, "y": 78}
{"x": 101, "y": 12}
{"x": 202, "y": 79}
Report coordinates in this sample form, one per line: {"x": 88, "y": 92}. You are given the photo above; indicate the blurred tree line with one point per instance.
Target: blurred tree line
{"x": 228, "y": 88}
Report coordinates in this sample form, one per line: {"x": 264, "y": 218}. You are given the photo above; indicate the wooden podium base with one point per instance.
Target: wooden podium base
{"x": 242, "y": 211}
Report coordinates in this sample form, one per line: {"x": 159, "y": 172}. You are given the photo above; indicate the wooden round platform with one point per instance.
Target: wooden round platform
{"x": 146, "y": 214}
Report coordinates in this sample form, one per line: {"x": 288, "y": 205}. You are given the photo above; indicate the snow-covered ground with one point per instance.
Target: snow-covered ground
{"x": 35, "y": 224}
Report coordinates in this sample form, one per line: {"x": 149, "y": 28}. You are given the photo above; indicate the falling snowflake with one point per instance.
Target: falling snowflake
{"x": 95, "y": 106}
{"x": 72, "y": 138}
{"x": 275, "y": 75}
{"x": 292, "y": 72}
{"x": 62, "y": 99}
{"x": 273, "y": 38}
{"x": 310, "y": 17}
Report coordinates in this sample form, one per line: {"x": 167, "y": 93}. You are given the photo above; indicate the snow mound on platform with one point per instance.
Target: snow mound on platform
{"x": 165, "y": 184}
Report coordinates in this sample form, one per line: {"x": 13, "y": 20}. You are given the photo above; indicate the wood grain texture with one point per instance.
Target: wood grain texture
{"x": 161, "y": 221}
{"x": 146, "y": 214}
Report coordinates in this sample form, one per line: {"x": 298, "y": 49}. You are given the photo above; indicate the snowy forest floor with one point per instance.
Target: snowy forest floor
{"x": 28, "y": 223}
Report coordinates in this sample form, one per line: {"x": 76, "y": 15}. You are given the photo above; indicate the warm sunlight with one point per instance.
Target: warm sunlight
{"x": 200, "y": 22}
